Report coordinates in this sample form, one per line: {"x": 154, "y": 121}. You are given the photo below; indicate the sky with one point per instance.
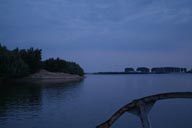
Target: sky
{"x": 102, "y": 35}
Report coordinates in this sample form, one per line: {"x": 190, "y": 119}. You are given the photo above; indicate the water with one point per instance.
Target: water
{"x": 88, "y": 103}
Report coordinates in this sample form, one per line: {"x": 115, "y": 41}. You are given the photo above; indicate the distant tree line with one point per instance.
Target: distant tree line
{"x": 157, "y": 70}
{"x": 168, "y": 70}
{"x": 19, "y": 63}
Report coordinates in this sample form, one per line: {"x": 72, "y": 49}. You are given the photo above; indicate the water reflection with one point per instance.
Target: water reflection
{"x": 62, "y": 91}
{"x": 87, "y": 103}
{"x": 172, "y": 113}
{"x": 22, "y": 100}
{"x": 20, "y": 96}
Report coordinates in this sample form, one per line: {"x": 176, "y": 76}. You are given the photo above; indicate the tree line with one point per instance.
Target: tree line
{"x": 59, "y": 65}
{"x": 19, "y": 63}
{"x": 157, "y": 70}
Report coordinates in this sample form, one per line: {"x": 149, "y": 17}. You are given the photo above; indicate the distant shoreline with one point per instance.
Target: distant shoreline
{"x": 44, "y": 76}
{"x": 130, "y": 73}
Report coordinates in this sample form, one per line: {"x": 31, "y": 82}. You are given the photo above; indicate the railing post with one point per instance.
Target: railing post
{"x": 143, "y": 114}
{"x": 142, "y": 110}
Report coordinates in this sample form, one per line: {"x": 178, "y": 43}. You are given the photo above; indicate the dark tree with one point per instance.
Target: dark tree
{"x": 168, "y": 70}
{"x": 129, "y": 70}
{"x": 11, "y": 65}
{"x": 59, "y": 65}
{"x": 32, "y": 57}
{"x": 190, "y": 71}
{"x": 143, "y": 70}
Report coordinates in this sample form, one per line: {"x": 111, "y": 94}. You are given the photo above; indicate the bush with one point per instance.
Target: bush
{"x": 11, "y": 65}
{"x": 32, "y": 57}
{"x": 59, "y": 65}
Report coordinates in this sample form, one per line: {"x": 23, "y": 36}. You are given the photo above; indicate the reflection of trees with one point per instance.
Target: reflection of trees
{"x": 28, "y": 98}
{"x": 62, "y": 91}
{"x": 15, "y": 96}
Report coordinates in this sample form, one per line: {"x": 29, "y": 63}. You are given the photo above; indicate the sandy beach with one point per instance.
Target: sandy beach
{"x": 52, "y": 77}
{"x": 46, "y": 77}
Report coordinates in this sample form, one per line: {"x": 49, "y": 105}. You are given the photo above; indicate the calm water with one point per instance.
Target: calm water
{"x": 92, "y": 101}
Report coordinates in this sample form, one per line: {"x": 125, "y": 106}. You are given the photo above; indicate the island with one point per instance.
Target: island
{"x": 27, "y": 65}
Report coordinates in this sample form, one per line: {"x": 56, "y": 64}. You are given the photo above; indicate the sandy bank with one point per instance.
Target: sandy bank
{"x": 46, "y": 76}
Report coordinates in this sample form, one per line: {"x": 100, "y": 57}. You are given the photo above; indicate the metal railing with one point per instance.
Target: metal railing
{"x": 141, "y": 107}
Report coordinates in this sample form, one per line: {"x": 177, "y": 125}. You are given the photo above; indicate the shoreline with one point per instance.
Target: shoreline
{"x": 45, "y": 77}
{"x": 131, "y": 73}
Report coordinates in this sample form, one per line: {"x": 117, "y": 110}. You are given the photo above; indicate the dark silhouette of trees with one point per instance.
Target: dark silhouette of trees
{"x": 59, "y": 65}
{"x": 32, "y": 57}
{"x": 143, "y": 70}
{"x": 127, "y": 70}
{"x": 190, "y": 71}
{"x": 11, "y": 65}
{"x": 156, "y": 70}
{"x": 184, "y": 70}
{"x": 20, "y": 63}
{"x": 168, "y": 70}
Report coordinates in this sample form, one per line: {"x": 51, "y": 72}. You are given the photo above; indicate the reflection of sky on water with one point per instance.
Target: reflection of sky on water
{"x": 90, "y": 102}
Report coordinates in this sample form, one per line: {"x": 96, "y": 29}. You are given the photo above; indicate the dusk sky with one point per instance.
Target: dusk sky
{"x": 102, "y": 35}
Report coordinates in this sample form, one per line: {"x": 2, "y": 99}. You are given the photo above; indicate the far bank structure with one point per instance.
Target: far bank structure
{"x": 157, "y": 70}
{"x": 145, "y": 70}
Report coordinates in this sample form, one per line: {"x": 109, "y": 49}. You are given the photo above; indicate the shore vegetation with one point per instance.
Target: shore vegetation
{"x": 19, "y": 63}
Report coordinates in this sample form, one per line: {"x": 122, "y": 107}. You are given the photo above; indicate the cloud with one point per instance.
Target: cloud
{"x": 81, "y": 13}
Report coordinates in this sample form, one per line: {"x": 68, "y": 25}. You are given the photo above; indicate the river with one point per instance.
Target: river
{"x": 92, "y": 101}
